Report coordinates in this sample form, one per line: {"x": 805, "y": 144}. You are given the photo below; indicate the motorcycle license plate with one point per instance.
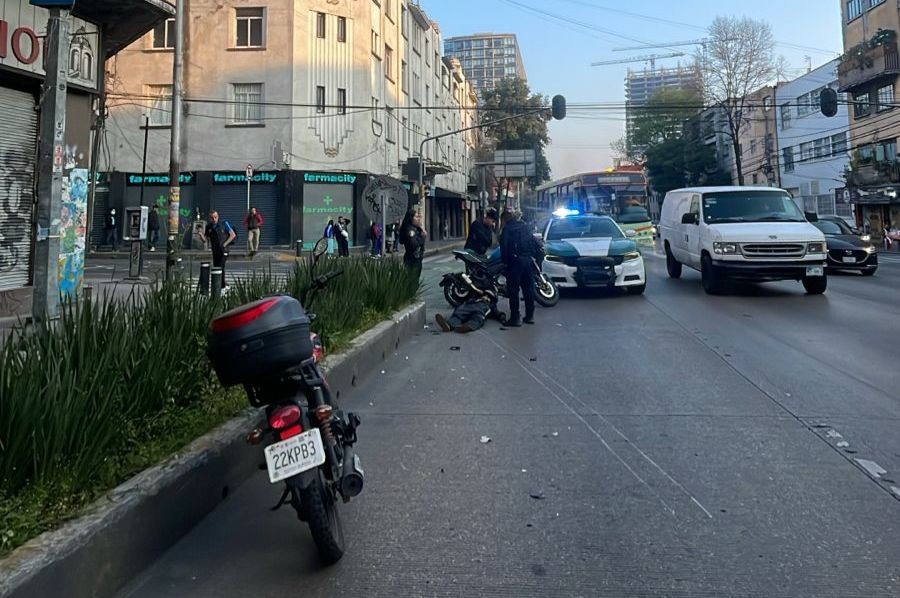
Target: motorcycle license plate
{"x": 849, "y": 260}
{"x": 815, "y": 271}
{"x": 295, "y": 455}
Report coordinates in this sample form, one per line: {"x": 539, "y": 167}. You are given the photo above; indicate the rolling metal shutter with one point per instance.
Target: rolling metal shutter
{"x": 231, "y": 203}
{"x": 18, "y": 154}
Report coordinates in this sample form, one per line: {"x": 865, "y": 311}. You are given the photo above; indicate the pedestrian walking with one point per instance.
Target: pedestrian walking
{"x": 254, "y": 222}
{"x": 220, "y": 235}
{"x": 413, "y": 238}
{"x": 153, "y": 228}
{"x": 342, "y": 236}
{"x": 518, "y": 248}
{"x": 395, "y": 245}
{"x": 481, "y": 233}
{"x": 111, "y": 230}
{"x": 329, "y": 234}
{"x": 377, "y": 236}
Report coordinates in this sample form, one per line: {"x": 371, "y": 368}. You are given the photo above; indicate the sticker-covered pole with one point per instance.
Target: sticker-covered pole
{"x": 175, "y": 142}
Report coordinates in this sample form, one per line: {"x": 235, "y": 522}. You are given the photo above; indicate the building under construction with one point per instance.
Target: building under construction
{"x": 641, "y": 85}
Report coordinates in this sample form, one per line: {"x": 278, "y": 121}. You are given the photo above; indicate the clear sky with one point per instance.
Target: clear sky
{"x": 559, "y": 47}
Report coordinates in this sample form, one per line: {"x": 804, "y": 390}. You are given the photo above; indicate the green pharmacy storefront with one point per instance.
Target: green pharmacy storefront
{"x": 327, "y": 196}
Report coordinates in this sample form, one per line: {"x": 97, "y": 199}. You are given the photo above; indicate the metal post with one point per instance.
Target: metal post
{"x": 216, "y": 277}
{"x": 175, "y": 143}
{"x": 136, "y": 261}
{"x": 144, "y": 159}
{"x": 45, "y": 299}
{"x": 299, "y": 247}
{"x": 203, "y": 282}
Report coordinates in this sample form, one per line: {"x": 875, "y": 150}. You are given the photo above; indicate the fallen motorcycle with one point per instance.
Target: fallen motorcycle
{"x": 267, "y": 346}
{"x": 488, "y": 273}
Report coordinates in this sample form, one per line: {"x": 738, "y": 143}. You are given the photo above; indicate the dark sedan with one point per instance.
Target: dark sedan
{"x": 847, "y": 249}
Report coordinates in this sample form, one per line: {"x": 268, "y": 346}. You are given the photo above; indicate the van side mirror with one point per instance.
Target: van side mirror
{"x": 812, "y": 216}
{"x": 690, "y": 218}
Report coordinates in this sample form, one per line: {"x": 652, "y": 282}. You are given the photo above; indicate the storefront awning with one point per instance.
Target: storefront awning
{"x": 441, "y": 193}
{"x": 123, "y": 21}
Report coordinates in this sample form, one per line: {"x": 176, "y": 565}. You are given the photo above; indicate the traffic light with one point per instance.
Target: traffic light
{"x": 828, "y": 102}
{"x": 559, "y": 107}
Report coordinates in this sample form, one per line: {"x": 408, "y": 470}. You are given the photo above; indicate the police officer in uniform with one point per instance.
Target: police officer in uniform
{"x": 413, "y": 236}
{"x": 481, "y": 233}
{"x": 518, "y": 247}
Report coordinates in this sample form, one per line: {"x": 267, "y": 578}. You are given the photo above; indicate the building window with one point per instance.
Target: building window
{"x": 427, "y": 97}
{"x": 886, "y": 151}
{"x": 752, "y": 147}
{"x": 247, "y": 106}
{"x": 320, "y": 25}
{"x": 320, "y": 99}
{"x": 342, "y": 101}
{"x": 376, "y": 44}
{"x": 854, "y": 9}
{"x": 342, "y": 29}
{"x": 874, "y": 3}
{"x": 803, "y": 105}
{"x": 839, "y": 144}
{"x": 806, "y": 151}
{"x": 405, "y": 132}
{"x": 391, "y": 125}
{"x": 404, "y": 21}
{"x": 755, "y": 179}
{"x": 885, "y": 97}
{"x": 788, "y": 159}
{"x": 164, "y": 35}
{"x": 823, "y": 147}
{"x": 389, "y": 62}
{"x": 250, "y": 27}
{"x": 404, "y": 75}
{"x": 160, "y": 112}
{"x": 786, "y": 116}
{"x": 861, "y": 105}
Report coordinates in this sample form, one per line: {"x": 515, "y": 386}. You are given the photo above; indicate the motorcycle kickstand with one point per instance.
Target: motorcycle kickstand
{"x": 283, "y": 500}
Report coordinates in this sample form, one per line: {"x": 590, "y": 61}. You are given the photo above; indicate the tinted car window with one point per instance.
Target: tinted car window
{"x": 831, "y": 227}
{"x": 575, "y": 228}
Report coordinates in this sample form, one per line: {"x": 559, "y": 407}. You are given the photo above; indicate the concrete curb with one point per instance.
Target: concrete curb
{"x": 136, "y": 522}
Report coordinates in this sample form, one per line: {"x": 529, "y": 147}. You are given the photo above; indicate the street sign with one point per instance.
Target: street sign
{"x": 515, "y": 164}
{"x": 249, "y": 172}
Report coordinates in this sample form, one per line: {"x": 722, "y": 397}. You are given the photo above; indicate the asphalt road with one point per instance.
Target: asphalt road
{"x": 671, "y": 445}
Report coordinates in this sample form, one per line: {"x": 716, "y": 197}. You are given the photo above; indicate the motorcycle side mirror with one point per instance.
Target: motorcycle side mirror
{"x": 320, "y": 248}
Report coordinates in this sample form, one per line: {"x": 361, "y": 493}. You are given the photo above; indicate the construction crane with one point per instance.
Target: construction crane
{"x": 693, "y": 42}
{"x": 651, "y": 58}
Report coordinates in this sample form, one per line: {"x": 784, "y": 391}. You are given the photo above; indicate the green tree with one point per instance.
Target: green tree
{"x": 662, "y": 118}
{"x": 683, "y": 161}
{"x": 512, "y": 96}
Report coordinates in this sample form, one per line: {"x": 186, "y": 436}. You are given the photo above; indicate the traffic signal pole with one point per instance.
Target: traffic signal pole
{"x": 175, "y": 142}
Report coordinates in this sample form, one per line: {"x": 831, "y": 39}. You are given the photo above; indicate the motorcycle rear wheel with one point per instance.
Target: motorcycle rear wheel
{"x": 324, "y": 520}
{"x": 455, "y": 295}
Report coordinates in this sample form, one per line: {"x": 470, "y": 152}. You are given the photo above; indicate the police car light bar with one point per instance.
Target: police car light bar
{"x": 563, "y": 212}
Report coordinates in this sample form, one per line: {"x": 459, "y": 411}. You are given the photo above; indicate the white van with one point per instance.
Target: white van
{"x": 753, "y": 234}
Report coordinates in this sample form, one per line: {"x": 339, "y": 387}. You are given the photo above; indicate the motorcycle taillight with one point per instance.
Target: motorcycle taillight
{"x": 285, "y": 417}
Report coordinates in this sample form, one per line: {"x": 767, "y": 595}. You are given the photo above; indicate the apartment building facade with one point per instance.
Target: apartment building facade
{"x": 868, "y": 74}
{"x": 814, "y": 150}
{"x": 487, "y": 58}
{"x": 642, "y": 85}
{"x": 757, "y": 140}
{"x": 324, "y": 100}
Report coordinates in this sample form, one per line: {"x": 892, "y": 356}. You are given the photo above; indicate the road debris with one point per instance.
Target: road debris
{"x": 485, "y": 439}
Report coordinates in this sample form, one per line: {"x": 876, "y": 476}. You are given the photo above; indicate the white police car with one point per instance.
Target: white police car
{"x": 586, "y": 250}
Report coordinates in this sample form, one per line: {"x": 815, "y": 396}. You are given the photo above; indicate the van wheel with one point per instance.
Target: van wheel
{"x": 815, "y": 285}
{"x": 673, "y": 266}
{"x": 712, "y": 283}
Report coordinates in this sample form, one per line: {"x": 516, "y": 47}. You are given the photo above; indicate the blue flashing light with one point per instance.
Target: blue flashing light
{"x": 563, "y": 212}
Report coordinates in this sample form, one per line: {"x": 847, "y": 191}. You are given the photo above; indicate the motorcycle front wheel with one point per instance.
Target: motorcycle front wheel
{"x": 320, "y": 505}
{"x": 547, "y": 292}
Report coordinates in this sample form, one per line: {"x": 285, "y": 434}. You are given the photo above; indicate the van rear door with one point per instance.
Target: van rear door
{"x": 692, "y": 232}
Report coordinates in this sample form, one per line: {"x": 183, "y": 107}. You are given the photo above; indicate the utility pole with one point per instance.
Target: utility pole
{"x": 45, "y": 299}
{"x": 175, "y": 143}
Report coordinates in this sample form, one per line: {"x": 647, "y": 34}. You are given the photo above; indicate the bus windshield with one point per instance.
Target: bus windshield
{"x": 750, "y": 206}
{"x": 632, "y": 215}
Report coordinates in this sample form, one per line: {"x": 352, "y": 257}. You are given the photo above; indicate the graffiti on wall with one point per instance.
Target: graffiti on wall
{"x": 72, "y": 232}
{"x": 15, "y": 205}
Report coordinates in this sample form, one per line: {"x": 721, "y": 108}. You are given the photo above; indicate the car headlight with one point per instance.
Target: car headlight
{"x": 866, "y": 238}
{"x": 817, "y": 247}
{"x": 869, "y": 248}
{"x": 726, "y": 248}
{"x": 632, "y": 255}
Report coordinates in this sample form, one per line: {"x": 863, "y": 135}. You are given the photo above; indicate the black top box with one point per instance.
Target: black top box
{"x": 254, "y": 342}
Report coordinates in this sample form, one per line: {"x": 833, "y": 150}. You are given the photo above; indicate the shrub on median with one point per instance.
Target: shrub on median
{"x": 113, "y": 386}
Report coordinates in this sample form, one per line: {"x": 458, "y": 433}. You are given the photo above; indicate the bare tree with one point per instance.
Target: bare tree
{"x": 738, "y": 59}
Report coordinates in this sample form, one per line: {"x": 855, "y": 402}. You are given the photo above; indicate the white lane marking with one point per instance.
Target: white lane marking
{"x": 580, "y": 418}
{"x": 875, "y": 470}
{"x": 833, "y": 434}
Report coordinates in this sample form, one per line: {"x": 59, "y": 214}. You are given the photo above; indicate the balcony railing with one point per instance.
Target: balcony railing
{"x": 874, "y": 63}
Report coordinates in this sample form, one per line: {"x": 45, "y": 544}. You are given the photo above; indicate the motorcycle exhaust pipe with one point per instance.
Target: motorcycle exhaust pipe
{"x": 352, "y": 476}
